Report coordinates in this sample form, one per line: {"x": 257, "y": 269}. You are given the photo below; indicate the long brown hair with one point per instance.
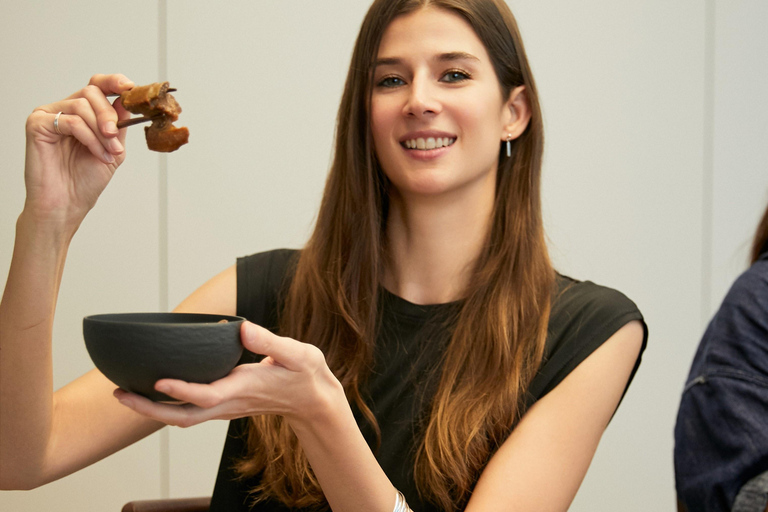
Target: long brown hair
{"x": 760, "y": 242}
{"x": 498, "y": 340}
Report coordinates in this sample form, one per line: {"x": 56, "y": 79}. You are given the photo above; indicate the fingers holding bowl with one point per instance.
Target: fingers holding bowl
{"x": 282, "y": 385}
{"x": 174, "y": 414}
{"x": 286, "y": 352}
{"x": 206, "y": 396}
{"x": 250, "y": 389}
{"x": 196, "y": 403}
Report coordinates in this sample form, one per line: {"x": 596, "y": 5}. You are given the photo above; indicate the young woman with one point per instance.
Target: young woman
{"x": 420, "y": 345}
{"x": 721, "y": 440}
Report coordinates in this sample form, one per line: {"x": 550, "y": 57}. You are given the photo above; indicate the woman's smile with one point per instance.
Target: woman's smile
{"x": 421, "y": 144}
{"x": 427, "y": 144}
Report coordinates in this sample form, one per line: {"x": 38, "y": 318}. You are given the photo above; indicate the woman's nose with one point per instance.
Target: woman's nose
{"x": 422, "y": 99}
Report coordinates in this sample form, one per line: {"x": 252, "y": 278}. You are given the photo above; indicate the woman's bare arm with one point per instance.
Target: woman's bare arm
{"x": 46, "y": 435}
{"x": 52, "y": 435}
{"x": 73, "y": 148}
{"x": 542, "y": 464}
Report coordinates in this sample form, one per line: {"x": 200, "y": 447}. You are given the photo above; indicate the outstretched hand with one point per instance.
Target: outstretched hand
{"x": 293, "y": 381}
{"x": 73, "y": 149}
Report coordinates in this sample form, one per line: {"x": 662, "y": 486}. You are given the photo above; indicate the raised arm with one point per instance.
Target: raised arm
{"x": 73, "y": 148}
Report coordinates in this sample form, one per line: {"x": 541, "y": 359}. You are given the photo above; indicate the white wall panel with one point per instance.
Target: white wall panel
{"x": 48, "y": 50}
{"x": 740, "y": 156}
{"x": 623, "y": 98}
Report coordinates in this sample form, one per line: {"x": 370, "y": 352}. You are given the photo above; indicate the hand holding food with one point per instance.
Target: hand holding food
{"x": 73, "y": 148}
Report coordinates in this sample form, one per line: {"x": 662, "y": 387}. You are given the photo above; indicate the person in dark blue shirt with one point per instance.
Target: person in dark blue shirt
{"x": 721, "y": 435}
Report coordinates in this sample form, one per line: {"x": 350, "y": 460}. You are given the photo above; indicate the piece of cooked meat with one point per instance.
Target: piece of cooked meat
{"x": 154, "y": 101}
{"x": 166, "y": 140}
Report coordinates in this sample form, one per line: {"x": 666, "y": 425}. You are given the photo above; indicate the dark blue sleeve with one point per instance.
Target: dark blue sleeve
{"x": 721, "y": 434}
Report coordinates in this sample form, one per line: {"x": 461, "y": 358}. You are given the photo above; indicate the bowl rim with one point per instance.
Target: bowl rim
{"x": 214, "y": 319}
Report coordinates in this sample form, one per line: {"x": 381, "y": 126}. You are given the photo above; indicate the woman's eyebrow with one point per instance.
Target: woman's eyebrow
{"x": 451, "y": 56}
{"x": 387, "y": 61}
{"x": 443, "y": 57}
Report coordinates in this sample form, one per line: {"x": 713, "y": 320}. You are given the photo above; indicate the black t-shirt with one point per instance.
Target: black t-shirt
{"x": 409, "y": 345}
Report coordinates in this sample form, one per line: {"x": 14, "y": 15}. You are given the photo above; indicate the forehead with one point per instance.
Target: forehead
{"x": 430, "y": 30}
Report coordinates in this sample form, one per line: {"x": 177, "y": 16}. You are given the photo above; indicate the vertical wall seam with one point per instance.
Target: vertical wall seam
{"x": 162, "y": 73}
{"x": 708, "y": 171}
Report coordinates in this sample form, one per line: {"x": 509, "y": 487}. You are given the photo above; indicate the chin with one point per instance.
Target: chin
{"x": 425, "y": 186}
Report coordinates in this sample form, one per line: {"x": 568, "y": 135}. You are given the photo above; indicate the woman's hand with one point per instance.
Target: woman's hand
{"x": 70, "y": 162}
{"x": 293, "y": 381}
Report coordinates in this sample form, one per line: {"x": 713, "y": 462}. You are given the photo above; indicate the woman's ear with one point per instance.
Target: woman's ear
{"x": 517, "y": 114}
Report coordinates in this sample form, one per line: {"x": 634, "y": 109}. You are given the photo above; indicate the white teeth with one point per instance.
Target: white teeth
{"x": 429, "y": 143}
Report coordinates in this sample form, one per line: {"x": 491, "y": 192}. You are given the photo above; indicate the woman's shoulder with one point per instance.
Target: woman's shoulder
{"x": 267, "y": 260}
{"x": 261, "y": 278}
{"x": 583, "y": 316}
{"x": 737, "y": 334}
{"x": 577, "y": 302}
{"x": 266, "y": 267}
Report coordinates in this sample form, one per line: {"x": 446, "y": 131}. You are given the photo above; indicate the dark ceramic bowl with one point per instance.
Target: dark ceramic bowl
{"x": 135, "y": 350}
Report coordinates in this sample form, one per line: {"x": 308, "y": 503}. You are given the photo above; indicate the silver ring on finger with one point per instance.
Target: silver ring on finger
{"x": 56, "y": 123}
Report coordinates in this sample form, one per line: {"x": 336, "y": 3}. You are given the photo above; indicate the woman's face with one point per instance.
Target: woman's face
{"x": 437, "y": 113}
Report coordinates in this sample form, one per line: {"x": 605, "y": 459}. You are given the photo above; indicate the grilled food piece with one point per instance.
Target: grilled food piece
{"x": 155, "y": 102}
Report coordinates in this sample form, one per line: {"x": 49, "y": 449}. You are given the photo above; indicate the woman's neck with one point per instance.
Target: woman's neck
{"x": 433, "y": 243}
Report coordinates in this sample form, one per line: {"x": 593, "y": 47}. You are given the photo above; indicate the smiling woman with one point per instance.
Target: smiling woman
{"x": 419, "y": 349}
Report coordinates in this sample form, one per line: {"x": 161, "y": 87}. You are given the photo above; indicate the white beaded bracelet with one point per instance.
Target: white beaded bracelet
{"x": 400, "y": 504}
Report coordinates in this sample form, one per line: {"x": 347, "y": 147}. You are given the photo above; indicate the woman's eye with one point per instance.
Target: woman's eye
{"x": 391, "y": 81}
{"x": 455, "y": 76}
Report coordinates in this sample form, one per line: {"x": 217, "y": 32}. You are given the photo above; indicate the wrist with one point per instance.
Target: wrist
{"x": 341, "y": 457}
{"x": 327, "y": 410}
{"x": 48, "y": 227}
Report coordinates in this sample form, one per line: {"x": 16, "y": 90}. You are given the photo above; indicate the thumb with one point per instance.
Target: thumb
{"x": 250, "y": 334}
{"x": 283, "y": 351}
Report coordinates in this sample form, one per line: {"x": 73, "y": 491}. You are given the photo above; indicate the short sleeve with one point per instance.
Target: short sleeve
{"x": 261, "y": 280}
{"x": 584, "y": 315}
